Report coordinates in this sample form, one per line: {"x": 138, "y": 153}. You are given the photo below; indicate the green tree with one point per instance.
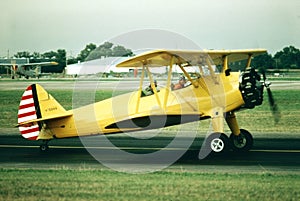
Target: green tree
{"x": 23, "y": 54}
{"x": 35, "y": 56}
{"x": 103, "y": 50}
{"x": 59, "y": 56}
{"x": 83, "y": 55}
{"x": 120, "y": 51}
{"x": 106, "y": 45}
{"x": 287, "y": 58}
{"x": 49, "y": 55}
{"x": 263, "y": 62}
{"x": 71, "y": 60}
{"x": 107, "y": 49}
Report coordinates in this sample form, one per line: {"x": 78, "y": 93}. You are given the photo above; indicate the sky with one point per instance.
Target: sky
{"x": 45, "y": 25}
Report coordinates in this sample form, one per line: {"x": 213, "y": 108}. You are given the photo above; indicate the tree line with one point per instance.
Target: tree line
{"x": 287, "y": 58}
{"x": 90, "y": 52}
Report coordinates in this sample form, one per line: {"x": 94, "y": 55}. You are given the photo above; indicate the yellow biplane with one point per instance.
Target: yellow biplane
{"x": 205, "y": 94}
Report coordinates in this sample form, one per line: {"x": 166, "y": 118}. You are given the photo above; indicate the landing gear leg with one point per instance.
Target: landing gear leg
{"x": 44, "y": 146}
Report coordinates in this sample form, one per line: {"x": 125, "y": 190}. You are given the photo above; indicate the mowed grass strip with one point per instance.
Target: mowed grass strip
{"x": 260, "y": 118}
{"x": 69, "y": 184}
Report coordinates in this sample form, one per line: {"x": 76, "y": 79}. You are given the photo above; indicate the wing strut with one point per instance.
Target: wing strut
{"x": 153, "y": 86}
{"x": 140, "y": 90}
{"x": 194, "y": 83}
{"x": 168, "y": 83}
{"x": 249, "y": 60}
{"x": 212, "y": 72}
{"x": 225, "y": 63}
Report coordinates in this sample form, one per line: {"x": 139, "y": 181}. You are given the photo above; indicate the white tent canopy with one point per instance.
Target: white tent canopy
{"x": 108, "y": 64}
{"x": 105, "y": 65}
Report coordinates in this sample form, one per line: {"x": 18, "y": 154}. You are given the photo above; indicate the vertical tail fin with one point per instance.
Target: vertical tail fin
{"x": 35, "y": 104}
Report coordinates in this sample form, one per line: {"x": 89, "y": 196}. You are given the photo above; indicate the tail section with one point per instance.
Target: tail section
{"x": 37, "y": 106}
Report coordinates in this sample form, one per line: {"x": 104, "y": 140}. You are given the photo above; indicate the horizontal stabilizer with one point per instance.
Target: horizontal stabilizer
{"x": 67, "y": 114}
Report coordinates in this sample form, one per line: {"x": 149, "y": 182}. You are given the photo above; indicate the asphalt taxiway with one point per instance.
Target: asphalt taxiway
{"x": 268, "y": 154}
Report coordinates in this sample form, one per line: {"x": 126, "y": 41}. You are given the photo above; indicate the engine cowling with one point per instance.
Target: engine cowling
{"x": 251, "y": 88}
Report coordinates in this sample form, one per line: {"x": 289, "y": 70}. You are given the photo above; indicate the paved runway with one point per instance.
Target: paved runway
{"x": 280, "y": 155}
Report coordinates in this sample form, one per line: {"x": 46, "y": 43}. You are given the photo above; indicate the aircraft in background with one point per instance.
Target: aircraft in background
{"x": 26, "y": 69}
{"x": 207, "y": 94}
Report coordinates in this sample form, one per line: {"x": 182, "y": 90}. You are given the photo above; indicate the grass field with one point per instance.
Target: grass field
{"x": 68, "y": 184}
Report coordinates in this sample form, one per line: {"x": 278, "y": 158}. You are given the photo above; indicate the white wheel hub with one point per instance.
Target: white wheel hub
{"x": 217, "y": 145}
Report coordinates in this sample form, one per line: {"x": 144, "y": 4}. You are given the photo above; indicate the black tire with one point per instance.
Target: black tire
{"x": 217, "y": 143}
{"x": 243, "y": 142}
{"x": 44, "y": 148}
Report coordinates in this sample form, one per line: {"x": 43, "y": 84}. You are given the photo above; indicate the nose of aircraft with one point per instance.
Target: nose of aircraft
{"x": 251, "y": 88}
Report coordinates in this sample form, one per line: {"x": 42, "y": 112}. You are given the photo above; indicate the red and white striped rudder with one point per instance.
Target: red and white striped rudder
{"x": 29, "y": 110}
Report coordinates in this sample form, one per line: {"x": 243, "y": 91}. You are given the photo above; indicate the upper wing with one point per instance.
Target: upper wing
{"x": 158, "y": 58}
{"x": 233, "y": 55}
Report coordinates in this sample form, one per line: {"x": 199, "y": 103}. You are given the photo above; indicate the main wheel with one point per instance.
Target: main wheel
{"x": 242, "y": 142}
{"x": 217, "y": 143}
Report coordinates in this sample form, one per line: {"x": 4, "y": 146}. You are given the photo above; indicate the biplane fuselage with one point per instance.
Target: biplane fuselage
{"x": 130, "y": 112}
{"x": 208, "y": 95}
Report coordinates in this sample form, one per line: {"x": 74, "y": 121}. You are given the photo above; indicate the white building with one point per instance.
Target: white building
{"x": 108, "y": 65}
{"x": 105, "y": 65}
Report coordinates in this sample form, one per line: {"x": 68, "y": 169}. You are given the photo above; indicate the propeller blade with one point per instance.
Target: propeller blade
{"x": 264, "y": 75}
{"x": 273, "y": 105}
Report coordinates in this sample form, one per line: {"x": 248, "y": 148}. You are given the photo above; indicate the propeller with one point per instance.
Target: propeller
{"x": 273, "y": 106}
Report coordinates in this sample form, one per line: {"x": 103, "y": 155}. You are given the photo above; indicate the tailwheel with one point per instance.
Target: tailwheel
{"x": 242, "y": 142}
{"x": 217, "y": 143}
{"x": 44, "y": 147}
